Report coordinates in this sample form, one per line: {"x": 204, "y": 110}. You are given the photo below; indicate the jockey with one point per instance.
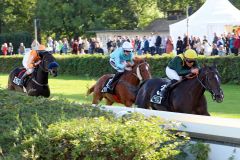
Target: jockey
{"x": 179, "y": 66}
{"x": 31, "y": 60}
{"x": 120, "y": 60}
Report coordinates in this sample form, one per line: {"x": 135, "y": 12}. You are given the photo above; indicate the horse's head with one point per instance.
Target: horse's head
{"x": 141, "y": 69}
{"x": 210, "y": 80}
{"x": 48, "y": 63}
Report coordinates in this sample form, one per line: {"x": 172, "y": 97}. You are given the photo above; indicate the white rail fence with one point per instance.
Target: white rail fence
{"x": 222, "y": 134}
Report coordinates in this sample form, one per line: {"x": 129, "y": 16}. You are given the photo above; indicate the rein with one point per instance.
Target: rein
{"x": 44, "y": 70}
{"x": 205, "y": 86}
{"x": 42, "y": 65}
{"x": 35, "y": 81}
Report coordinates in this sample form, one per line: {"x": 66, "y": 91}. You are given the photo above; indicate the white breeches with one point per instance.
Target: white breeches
{"x": 25, "y": 60}
{"x": 172, "y": 74}
{"x": 30, "y": 70}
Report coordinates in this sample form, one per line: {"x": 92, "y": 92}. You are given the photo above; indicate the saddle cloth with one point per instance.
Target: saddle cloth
{"x": 105, "y": 88}
{"x": 157, "y": 98}
{"x": 17, "y": 78}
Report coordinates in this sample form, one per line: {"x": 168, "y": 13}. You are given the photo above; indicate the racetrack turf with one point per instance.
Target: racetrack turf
{"x": 74, "y": 88}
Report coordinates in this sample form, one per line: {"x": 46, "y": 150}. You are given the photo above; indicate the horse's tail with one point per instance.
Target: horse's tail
{"x": 90, "y": 90}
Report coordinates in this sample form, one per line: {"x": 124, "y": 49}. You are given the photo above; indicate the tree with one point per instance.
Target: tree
{"x": 75, "y": 17}
{"x": 146, "y": 11}
{"x": 66, "y": 17}
{"x": 17, "y": 15}
{"x": 168, "y": 5}
{"x": 236, "y": 3}
{"x": 126, "y": 14}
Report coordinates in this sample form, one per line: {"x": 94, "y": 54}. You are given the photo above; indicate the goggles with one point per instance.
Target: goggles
{"x": 190, "y": 60}
{"x": 127, "y": 51}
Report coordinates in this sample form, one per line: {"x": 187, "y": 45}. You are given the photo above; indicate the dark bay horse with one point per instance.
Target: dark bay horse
{"x": 37, "y": 82}
{"x": 127, "y": 86}
{"x": 186, "y": 96}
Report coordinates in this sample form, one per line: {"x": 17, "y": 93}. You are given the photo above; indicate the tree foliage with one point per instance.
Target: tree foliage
{"x": 75, "y": 17}
{"x": 17, "y": 15}
{"x": 236, "y": 3}
{"x": 168, "y": 5}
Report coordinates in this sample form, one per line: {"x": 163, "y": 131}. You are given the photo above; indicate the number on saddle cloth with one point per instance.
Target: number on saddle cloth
{"x": 17, "y": 78}
{"x": 157, "y": 98}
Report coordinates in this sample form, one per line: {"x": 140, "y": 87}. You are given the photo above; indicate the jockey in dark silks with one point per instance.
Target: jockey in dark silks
{"x": 121, "y": 59}
{"x": 179, "y": 66}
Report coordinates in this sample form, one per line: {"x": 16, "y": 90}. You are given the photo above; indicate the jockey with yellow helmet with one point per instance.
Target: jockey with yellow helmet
{"x": 120, "y": 59}
{"x": 31, "y": 60}
{"x": 181, "y": 65}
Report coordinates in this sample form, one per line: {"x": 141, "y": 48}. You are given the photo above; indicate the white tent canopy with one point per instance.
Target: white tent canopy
{"x": 213, "y": 16}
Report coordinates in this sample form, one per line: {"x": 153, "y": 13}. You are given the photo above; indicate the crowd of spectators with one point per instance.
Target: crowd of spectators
{"x": 154, "y": 44}
{"x": 75, "y": 46}
{"x": 7, "y": 49}
{"x": 224, "y": 44}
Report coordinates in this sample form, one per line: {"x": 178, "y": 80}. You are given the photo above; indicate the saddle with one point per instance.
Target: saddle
{"x": 106, "y": 88}
{"x": 18, "y": 76}
{"x": 157, "y": 98}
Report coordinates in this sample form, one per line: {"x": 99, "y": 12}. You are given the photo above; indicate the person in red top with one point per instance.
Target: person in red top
{"x": 237, "y": 45}
{"x": 4, "y": 49}
{"x": 31, "y": 60}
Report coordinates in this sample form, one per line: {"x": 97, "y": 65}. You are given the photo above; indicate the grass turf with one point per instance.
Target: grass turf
{"x": 74, "y": 88}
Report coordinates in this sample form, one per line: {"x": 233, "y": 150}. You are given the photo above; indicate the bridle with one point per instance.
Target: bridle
{"x": 206, "y": 85}
{"x": 42, "y": 64}
{"x": 138, "y": 72}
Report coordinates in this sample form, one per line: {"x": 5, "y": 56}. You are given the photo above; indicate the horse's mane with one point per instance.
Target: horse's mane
{"x": 138, "y": 60}
{"x": 43, "y": 53}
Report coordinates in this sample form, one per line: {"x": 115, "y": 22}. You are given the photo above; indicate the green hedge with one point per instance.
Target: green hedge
{"x": 39, "y": 128}
{"x": 97, "y": 65}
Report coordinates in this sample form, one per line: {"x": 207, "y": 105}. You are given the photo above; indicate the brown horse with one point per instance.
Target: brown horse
{"x": 186, "y": 97}
{"x": 126, "y": 88}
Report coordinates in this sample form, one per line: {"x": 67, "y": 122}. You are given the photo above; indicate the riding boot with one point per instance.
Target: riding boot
{"x": 114, "y": 79}
{"x": 165, "y": 90}
{"x": 22, "y": 79}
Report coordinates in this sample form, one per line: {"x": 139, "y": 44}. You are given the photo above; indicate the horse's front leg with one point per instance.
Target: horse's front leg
{"x": 97, "y": 97}
{"x": 201, "y": 108}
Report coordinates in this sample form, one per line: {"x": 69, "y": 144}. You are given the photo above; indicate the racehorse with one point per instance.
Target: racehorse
{"x": 186, "y": 96}
{"x": 127, "y": 86}
{"x": 37, "y": 83}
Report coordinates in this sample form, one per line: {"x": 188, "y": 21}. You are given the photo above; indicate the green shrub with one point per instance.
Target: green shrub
{"x": 97, "y": 65}
{"x": 22, "y": 117}
{"x": 136, "y": 137}
{"x": 39, "y": 128}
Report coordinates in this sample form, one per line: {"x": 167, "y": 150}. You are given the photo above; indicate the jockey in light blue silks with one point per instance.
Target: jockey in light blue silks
{"x": 121, "y": 59}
